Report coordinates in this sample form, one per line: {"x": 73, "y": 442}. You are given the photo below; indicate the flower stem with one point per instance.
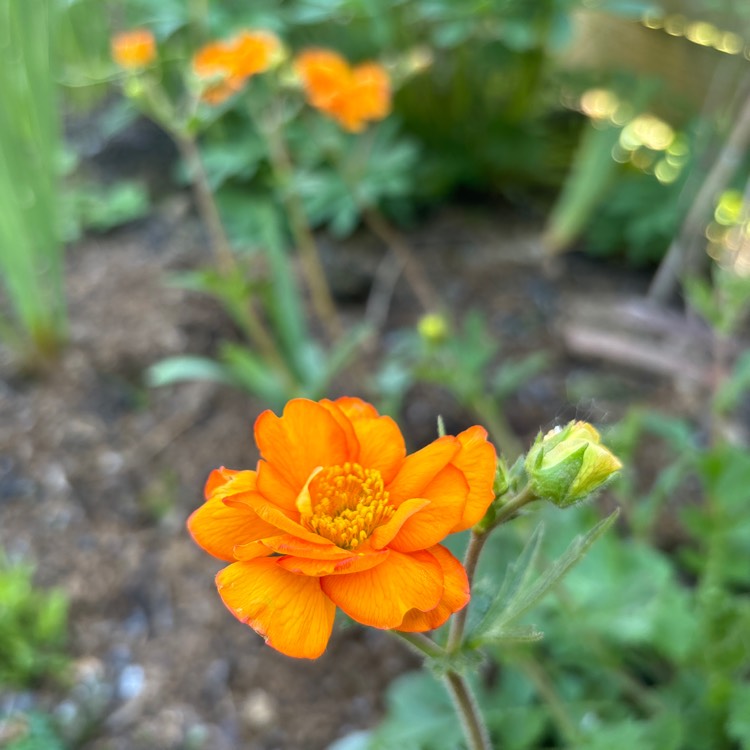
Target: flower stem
{"x": 399, "y": 246}
{"x": 476, "y": 543}
{"x": 204, "y": 197}
{"x": 225, "y": 259}
{"x": 281, "y": 164}
{"x": 421, "y": 643}
{"x": 458, "y": 622}
{"x": 475, "y": 730}
{"x": 509, "y": 508}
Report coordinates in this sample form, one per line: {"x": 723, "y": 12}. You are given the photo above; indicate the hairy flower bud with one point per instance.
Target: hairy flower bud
{"x": 569, "y": 463}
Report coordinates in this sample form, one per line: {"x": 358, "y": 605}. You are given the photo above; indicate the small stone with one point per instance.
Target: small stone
{"x": 259, "y": 710}
{"x": 132, "y": 681}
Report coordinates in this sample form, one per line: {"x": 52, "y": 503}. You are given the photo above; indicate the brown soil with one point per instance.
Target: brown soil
{"x": 98, "y": 474}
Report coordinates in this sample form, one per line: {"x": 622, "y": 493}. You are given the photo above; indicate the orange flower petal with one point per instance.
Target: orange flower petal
{"x": 373, "y": 89}
{"x": 218, "y": 478}
{"x": 253, "y": 52}
{"x": 455, "y": 595}
{"x": 223, "y": 483}
{"x": 292, "y": 545}
{"x": 356, "y": 408}
{"x": 277, "y": 518}
{"x": 218, "y": 528}
{"x": 324, "y": 75}
{"x": 291, "y": 612}
{"x": 304, "y": 437}
{"x": 345, "y": 424}
{"x": 133, "y": 49}
{"x": 477, "y": 460}
{"x": 251, "y": 550}
{"x": 275, "y": 487}
{"x": 420, "y": 468}
{"x": 382, "y": 596}
{"x": 383, "y": 535}
{"x": 354, "y": 563}
{"x": 382, "y": 446}
{"x": 447, "y": 494}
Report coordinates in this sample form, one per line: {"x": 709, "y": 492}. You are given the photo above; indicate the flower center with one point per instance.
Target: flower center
{"x": 345, "y": 504}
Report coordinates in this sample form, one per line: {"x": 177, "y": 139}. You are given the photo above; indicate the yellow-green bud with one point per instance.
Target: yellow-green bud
{"x": 569, "y": 463}
{"x": 433, "y": 328}
{"x": 134, "y": 88}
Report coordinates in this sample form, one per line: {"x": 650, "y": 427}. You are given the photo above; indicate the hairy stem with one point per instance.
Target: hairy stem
{"x": 471, "y": 559}
{"x": 475, "y": 730}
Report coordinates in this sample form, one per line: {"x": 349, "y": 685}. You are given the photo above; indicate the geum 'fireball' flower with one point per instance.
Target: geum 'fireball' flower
{"x": 226, "y": 66}
{"x": 337, "y": 515}
{"x": 134, "y": 49}
{"x": 350, "y": 95}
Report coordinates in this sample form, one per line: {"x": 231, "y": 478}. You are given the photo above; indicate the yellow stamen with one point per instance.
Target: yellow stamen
{"x": 344, "y": 504}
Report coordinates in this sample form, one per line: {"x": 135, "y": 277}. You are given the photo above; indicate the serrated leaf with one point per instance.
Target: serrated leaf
{"x": 504, "y": 610}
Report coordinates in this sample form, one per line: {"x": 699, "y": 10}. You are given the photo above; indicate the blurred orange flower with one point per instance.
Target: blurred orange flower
{"x": 226, "y": 66}
{"x": 350, "y": 95}
{"x": 336, "y": 514}
{"x": 133, "y": 49}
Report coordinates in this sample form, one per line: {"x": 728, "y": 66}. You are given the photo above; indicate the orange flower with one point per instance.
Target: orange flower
{"x": 226, "y": 66}
{"x": 337, "y": 515}
{"x": 134, "y": 49}
{"x": 350, "y": 95}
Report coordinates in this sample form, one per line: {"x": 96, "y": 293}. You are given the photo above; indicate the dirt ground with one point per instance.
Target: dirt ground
{"x": 98, "y": 474}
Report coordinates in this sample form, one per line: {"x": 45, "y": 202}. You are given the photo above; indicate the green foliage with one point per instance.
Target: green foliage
{"x": 465, "y": 362}
{"x": 32, "y": 731}
{"x": 33, "y": 625}
{"x": 301, "y": 366}
{"x": 31, "y": 255}
{"x": 97, "y": 208}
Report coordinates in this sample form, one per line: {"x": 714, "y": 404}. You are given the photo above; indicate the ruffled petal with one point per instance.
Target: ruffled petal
{"x": 343, "y": 421}
{"x": 420, "y": 468}
{"x": 380, "y": 444}
{"x": 277, "y": 518}
{"x": 382, "y": 596}
{"x": 356, "y": 408}
{"x": 385, "y": 533}
{"x": 477, "y": 460}
{"x": 218, "y": 528}
{"x": 351, "y": 564}
{"x": 225, "y": 482}
{"x": 292, "y": 545}
{"x": 456, "y": 595}
{"x": 276, "y": 487}
{"x": 291, "y": 612}
{"x": 251, "y": 550}
{"x": 447, "y": 495}
{"x": 304, "y": 437}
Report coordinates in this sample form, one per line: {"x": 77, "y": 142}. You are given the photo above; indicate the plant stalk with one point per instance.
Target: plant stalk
{"x": 475, "y": 730}
{"x": 283, "y": 168}
{"x": 476, "y": 543}
{"x": 398, "y": 245}
{"x": 204, "y": 197}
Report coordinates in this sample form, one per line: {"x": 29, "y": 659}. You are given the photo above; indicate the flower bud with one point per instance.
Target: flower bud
{"x": 569, "y": 463}
{"x": 433, "y": 328}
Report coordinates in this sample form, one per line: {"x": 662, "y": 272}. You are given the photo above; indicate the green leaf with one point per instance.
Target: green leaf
{"x": 522, "y": 597}
{"x": 186, "y": 368}
{"x": 253, "y": 374}
{"x": 738, "y": 724}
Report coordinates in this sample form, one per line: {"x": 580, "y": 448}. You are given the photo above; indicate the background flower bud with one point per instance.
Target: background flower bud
{"x": 433, "y": 328}
{"x": 569, "y": 463}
